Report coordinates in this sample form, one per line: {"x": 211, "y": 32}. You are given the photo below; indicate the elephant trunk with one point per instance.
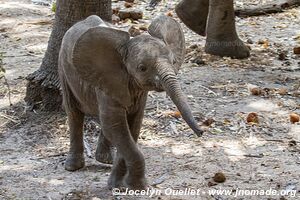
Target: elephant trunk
{"x": 172, "y": 87}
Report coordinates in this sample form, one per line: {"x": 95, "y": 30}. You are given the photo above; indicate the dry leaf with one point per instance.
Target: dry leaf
{"x": 296, "y": 50}
{"x": 169, "y": 14}
{"x": 282, "y": 91}
{"x": 219, "y": 177}
{"x": 294, "y": 118}
{"x": 208, "y": 122}
{"x": 176, "y": 114}
{"x": 256, "y": 91}
{"x": 252, "y": 118}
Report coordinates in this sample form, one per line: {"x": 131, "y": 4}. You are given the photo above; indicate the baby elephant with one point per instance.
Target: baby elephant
{"x": 106, "y": 73}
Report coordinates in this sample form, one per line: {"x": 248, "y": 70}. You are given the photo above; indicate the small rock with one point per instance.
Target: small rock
{"x": 296, "y": 50}
{"x": 219, "y": 177}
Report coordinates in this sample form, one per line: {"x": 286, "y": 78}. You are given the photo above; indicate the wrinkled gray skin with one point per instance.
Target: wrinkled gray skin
{"x": 216, "y": 19}
{"x": 106, "y": 73}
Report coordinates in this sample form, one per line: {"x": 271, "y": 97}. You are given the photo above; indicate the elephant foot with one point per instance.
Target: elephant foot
{"x": 234, "y": 48}
{"x": 193, "y": 14}
{"x": 115, "y": 181}
{"x": 104, "y": 155}
{"x": 74, "y": 162}
{"x": 135, "y": 183}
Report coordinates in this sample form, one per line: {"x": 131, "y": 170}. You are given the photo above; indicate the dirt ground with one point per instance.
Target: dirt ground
{"x": 252, "y": 156}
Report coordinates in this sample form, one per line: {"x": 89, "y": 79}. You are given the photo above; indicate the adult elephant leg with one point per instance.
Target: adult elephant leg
{"x": 104, "y": 151}
{"x": 193, "y": 13}
{"x": 222, "y": 38}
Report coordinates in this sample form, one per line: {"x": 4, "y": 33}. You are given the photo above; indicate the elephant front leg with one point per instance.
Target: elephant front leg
{"x": 135, "y": 122}
{"x": 75, "y": 159}
{"x": 104, "y": 151}
{"x": 222, "y": 38}
{"x": 129, "y": 160}
{"x": 118, "y": 172}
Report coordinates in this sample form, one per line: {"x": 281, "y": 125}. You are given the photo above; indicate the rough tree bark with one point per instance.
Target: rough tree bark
{"x": 43, "y": 85}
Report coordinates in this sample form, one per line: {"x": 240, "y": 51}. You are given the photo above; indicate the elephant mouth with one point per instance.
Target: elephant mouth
{"x": 159, "y": 90}
{"x": 158, "y": 87}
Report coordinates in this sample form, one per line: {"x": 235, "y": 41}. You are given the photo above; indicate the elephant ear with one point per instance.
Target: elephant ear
{"x": 97, "y": 60}
{"x": 169, "y": 30}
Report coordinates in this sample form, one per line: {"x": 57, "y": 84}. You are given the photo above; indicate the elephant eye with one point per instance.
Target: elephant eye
{"x": 142, "y": 68}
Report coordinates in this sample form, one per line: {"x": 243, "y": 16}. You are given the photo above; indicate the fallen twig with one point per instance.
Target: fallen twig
{"x": 259, "y": 9}
{"x": 208, "y": 90}
{"x": 9, "y": 118}
{"x": 254, "y": 155}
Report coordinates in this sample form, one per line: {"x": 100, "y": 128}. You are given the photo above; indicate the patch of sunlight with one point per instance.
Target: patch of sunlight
{"x": 263, "y": 105}
{"x": 56, "y": 182}
{"x": 14, "y": 167}
{"x": 182, "y": 149}
{"x": 233, "y": 148}
{"x": 4, "y": 103}
{"x": 51, "y": 181}
{"x": 7, "y": 21}
{"x": 295, "y": 132}
{"x": 252, "y": 141}
{"x": 11, "y": 72}
{"x": 154, "y": 143}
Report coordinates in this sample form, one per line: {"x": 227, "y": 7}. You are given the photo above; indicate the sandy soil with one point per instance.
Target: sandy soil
{"x": 33, "y": 145}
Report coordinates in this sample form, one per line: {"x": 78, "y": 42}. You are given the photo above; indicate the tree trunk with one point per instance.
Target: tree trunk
{"x": 44, "y": 87}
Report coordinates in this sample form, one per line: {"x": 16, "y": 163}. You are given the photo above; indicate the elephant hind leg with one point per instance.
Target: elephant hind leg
{"x": 75, "y": 158}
